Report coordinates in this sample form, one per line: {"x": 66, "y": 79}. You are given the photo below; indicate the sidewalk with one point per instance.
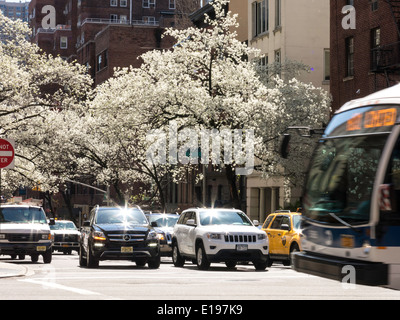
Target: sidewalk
{"x": 11, "y": 270}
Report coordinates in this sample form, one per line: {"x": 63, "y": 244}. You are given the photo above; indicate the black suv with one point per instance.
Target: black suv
{"x": 114, "y": 233}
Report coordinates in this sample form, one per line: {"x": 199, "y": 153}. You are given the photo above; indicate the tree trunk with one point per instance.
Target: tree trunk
{"x": 234, "y": 193}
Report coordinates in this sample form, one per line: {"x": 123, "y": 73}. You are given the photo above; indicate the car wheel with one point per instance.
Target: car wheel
{"x": 35, "y": 258}
{"x": 295, "y": 248}
{"x": 140, "y": 262}
{"x": 82, "y": 260}
{"x": 177, "y": 259}
{"x": 260, "y": 265}
{"x": 154, "y": 263}
{"x": 47, "y": 256}
{"x": 230, "y": 264}
{"x": 201, "y": 258}
{"x": 91, "y": 260}
{"x": 270, "y": 262}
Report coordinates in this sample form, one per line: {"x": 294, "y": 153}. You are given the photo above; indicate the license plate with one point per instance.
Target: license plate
{"x": 126, "y": 249}
{"x": 41, "y": 248}
{"x": 65, "y": 245}
{"x": 347, "y": 241}
{"x": 241, "y": 247}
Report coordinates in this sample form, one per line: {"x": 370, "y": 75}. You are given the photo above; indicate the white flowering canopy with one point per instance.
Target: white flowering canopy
{"x": 36, "y": 91}
{"x": 204, "y": 82}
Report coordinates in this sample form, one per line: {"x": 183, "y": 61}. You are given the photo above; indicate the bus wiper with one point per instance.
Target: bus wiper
{"x": 343, "y": 222}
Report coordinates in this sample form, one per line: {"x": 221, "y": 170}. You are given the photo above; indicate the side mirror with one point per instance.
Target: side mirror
{"x": 86, "y": 223}
{"x": 256, "y": 223}
{"x": 52, "y": 222}
{"x": 285, "y": 227}
{"x": 191, "y": 222}
{"x": 154, "y": 224}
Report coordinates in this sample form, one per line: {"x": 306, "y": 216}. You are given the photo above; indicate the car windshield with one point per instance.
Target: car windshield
{"x": 123, "y": 215}
{"x": 341, "y": 178}
{"x": 164, "y": 220}
{"x": 217, "y": 217}
{"x": 22, "y": 215}
{"x": 63, "y": 225}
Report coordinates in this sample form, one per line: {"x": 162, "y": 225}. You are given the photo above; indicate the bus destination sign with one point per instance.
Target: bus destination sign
{"x": 372, "y": 119}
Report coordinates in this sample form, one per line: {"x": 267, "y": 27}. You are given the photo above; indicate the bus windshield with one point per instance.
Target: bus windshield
{"x": 341, "y": 178}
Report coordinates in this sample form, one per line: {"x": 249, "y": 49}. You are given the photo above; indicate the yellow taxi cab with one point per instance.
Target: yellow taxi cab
{"x": 283, "y": 231}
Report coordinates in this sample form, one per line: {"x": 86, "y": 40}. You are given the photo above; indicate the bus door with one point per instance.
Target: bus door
{"x": 387, "y": 232}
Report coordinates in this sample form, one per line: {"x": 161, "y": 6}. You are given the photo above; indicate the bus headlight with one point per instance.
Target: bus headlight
{"x": 366, "y": 247}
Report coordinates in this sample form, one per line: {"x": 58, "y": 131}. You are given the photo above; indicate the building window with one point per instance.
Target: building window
{"x": 374, "y": 5}
{"x": 63, "y": 42}
{"x": 123, "y": 18}
{"x": 114, "y": 18}
{"x": 171, "y": 4}
{"x": 375, "y": 38}
{"x": 148, "y": 3}
{"x": 149, "y": 20}
{"x": 349, "y": 57}
{"x": 278, "y": 14}
{"x": 327, "y": 65}
{"x": 278, "y": 56}
{"x": 113, "y": 3}
{"x": 102, "y": 60}
{"x": 375, "y": 44}
{"x": 260, "y": 17}
{"x": 123, "y": 3}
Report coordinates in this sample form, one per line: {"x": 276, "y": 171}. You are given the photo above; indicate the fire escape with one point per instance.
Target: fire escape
{"x": 386, "y": 58}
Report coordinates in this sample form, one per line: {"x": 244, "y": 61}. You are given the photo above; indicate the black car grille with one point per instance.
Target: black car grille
{"x": 127, "y": 236}
{"x": 22, "y": 237}
{"x": 66, "y": 238}
{"x": 241, "y": 238}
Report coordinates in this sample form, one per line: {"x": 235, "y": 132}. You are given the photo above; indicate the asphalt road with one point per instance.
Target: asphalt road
{"x": 63, "y": 279}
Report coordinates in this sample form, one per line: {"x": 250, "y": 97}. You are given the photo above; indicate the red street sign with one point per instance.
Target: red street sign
{"x": 6, "y": 154}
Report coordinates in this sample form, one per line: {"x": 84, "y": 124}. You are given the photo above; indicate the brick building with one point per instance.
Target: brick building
{"x": 15, "y": 9}
{"x": 367, "y": 58}
{"x": 103, "y": 34}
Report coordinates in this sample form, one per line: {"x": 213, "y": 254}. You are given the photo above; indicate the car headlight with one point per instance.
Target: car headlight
{"x": 152, "y": 235}
{"x": 262, "y": 236}
{"x": 214, "y": 236}
{"x": 161, "y": 236}
{"x": 46, "y": 236}
{"x": 99, "y": 235}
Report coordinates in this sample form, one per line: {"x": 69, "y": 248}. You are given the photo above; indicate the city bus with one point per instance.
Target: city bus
{"x": 351, "y": 200}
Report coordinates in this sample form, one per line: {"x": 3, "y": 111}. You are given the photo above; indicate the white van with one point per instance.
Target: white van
{"x": 24, "y": 231}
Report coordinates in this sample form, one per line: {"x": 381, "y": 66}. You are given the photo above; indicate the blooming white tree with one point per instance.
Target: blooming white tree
{"x": 204, "y": 82}
{"x": 36, "y": 92}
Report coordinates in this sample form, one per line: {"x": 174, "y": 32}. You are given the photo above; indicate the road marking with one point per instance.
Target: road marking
{"x": 54, "y": 285}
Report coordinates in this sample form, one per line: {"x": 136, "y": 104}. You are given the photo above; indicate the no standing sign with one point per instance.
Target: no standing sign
{"x": 7, "y": 154}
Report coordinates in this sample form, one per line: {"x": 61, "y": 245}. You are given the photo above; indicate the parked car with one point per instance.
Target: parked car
{"x": 283, "y": 230}
{"x": 114, "y": 233}
{"x": 66, "y": 236}
{"x": 164, "y": 224}
{"x": 24, "y": 230}
{"x": 218, "y": 235}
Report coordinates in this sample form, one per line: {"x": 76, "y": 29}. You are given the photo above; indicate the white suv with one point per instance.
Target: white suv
{"x": 218, "y": 235}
